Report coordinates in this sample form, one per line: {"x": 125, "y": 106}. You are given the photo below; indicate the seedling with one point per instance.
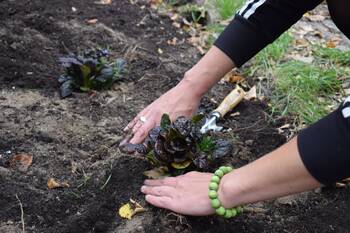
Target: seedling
{"x": 89, "y": 71}
{"x": 180, "y": 145}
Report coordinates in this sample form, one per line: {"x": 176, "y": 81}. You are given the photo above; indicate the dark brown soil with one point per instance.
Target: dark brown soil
{"x": 75, "y": 139}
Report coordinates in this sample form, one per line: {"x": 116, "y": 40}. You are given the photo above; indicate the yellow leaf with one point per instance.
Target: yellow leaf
{"x": 125, "y": 211}
{"x": 52, "y": 184}
{"x": 130, "y": 209}
{"x": 181, "y": 165}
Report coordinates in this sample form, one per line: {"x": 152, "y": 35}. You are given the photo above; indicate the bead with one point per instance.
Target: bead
{"x": 220, "y": 211}
{"x": 234, "y": 212}
{"x": 223, "y": 169}
{"x": 229, "y": 169}
{"x": 215, "y": 179}
{"x": 239, "y": 209}
{"x": 213, "y": 186}
{"x": 219, "y": 173}
{"x": 228, "y": 213}
{"x": 215, "y": 203}
{"x": 213, "y": 194}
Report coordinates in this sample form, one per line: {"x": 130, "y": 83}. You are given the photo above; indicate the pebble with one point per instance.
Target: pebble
{"x": 4, "y": 172}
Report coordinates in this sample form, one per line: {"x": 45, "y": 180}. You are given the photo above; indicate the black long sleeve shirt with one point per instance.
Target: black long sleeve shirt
{"x": 325, "y": 146}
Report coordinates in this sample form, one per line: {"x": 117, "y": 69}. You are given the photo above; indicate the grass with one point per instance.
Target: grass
{"x": 273, "y": 53}
{"x": 304, "y": 90}
{"x": 333, "y": 55}
{"x": 227, "y": 8}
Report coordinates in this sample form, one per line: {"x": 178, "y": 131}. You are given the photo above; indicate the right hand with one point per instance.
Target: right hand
{"x": 178, "y": 101}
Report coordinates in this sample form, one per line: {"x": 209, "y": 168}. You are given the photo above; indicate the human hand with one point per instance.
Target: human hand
{"x": 186, "y": 194}
{"x": 178, "y": 101}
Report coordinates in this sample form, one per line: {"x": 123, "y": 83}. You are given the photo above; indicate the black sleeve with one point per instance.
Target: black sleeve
{"x": 324, "y": 147}
{"x": 258, "y": 23}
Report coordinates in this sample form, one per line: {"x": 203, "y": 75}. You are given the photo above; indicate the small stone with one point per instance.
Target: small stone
{"x": 4, "y": 172}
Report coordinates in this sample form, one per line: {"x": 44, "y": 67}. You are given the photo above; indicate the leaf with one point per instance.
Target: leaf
{"x": 157, "y": 173}
{"x": 222, "y": 148}
{"x": 128, "y": 210}
{"x": 165, "y": 121}
{"x": 182, "y": 165}
{"x": 66, "y": 89}
{"x": 53, "y": 184}
{"x": 120, "y": 64}
{"x": 197, "y": 118}
{"x": 207, "y": 145}
{"x": 21, "y": 161}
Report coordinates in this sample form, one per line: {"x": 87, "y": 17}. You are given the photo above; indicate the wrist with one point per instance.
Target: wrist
{"x": 197, "y": 81}
{"x": 229, "y": 191}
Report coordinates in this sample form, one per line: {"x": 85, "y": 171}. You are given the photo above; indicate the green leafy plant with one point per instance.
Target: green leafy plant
{"x": 194, "y": 13}
{"x": 180, "y": 144}
{"x": 89, "y": 71}
{"x": 227, "y": 8}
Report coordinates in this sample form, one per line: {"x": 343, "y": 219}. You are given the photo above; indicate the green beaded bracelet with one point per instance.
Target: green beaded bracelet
{"x": 213, "y": 194}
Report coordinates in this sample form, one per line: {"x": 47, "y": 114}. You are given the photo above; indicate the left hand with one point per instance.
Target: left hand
{"x": 186, "y": 194}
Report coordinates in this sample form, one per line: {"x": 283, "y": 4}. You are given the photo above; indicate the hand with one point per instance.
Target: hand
{"x": 186, "y": 194}
{"x": 179, "y": 101}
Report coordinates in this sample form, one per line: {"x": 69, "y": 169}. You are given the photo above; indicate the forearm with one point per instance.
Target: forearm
{"x": 207, "y": 72}
{"x": 276, "y": 174}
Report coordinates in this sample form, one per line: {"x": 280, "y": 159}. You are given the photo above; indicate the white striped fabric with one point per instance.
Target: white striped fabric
{"x": 346, "y": 110}
{"x": 250, "y": 7}
{"x": 244, "y": 7}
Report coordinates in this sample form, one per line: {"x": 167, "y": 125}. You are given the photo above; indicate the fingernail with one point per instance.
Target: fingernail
{"x": 143, "y": 189}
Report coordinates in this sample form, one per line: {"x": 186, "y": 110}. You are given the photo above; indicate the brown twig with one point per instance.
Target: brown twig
{"x": 22, "y": 213}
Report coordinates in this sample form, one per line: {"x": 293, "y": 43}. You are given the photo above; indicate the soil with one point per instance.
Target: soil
{"x": 76, "y": 139}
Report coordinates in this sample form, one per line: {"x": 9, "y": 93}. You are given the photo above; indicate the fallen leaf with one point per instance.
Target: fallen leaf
{"x": 157, "y": 173}
{"x": 92, "y": 21}
{"x": 130, "y": 209}
{"x": 21, "y": 161}
{"x": 53, "y": 184}
{"x": 103, "y": 2}
{"x": 172, "y": 41}
{"x": 332, "y": 43}
{"x": 314, "y": 18}
{"x": 233, "y": 77}
{"x": 251, "y": 94}
{"x": 340, "y": 185}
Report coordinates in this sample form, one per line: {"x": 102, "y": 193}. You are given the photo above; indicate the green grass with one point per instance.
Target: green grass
{"x": 227, "y": 8}
{"x": 333, "y": 55}
{"x": 273, "y": 53}
{"x": 304, "y": 90}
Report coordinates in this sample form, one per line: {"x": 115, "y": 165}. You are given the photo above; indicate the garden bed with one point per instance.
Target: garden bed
{"x": 76, "y": 139}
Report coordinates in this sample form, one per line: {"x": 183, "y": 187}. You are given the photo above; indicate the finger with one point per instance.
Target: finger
{"x": 170, "y": 181}
{"x": 161, "y": 202}
{"x": 131, "y": 124}
{"x": 158, "y": 190}
{"x": 142, "y": 132}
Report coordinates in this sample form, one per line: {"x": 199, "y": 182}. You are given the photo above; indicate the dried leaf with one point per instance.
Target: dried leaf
{"x": 157, "y": 173}
{"x": 104, "y": 2}
{"x": 314, "y": 18}
{"x": 53, "y": 184}
{"x": 172, "y": 42}
{"x": 21, "y": 161}
{"x": 92, "y": 21}
{"x": 233, "y": 77}
{"x": 332, "y": 44}
{"x": 340, "y": 185}
{"x": 130, "y": 209}
{"x": 251, "y": 94}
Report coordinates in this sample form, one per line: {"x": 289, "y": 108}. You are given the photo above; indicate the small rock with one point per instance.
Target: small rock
{"x": 4, "y": 172}
{"x": 249, "y": 142}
